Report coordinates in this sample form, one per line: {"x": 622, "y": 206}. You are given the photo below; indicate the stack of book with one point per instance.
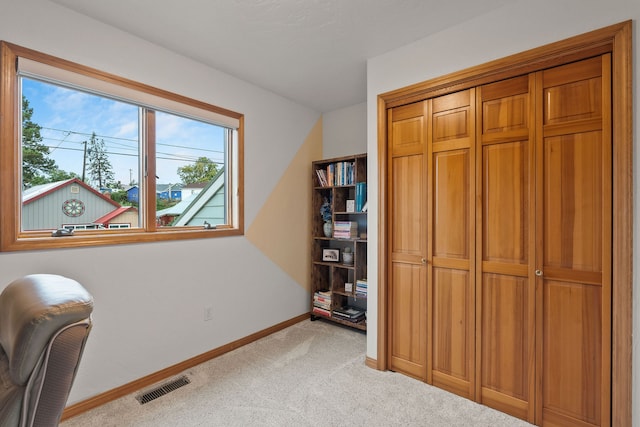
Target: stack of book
{"x": 322, "y": 303}
{"x": 361, "y": 288}
{"x": 345, "y": 230}
{"x": 350, "y": 314}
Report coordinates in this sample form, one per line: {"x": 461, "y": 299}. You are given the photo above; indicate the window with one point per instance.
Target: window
{"x": 113, "y": 160}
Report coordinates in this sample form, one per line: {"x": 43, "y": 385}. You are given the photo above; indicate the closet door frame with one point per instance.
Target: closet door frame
{"x": 615, "y": 39}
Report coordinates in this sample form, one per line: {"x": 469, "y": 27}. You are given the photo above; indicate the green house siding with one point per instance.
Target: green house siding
{"x": 212, "y": 211}
{"x": 208, "y": 206}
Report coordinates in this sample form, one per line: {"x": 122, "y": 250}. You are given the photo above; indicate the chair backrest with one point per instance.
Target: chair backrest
{"x": 44, "y": 323}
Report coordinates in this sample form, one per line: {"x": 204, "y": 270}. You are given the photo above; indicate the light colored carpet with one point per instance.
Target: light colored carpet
{"x": 310, "y": 374}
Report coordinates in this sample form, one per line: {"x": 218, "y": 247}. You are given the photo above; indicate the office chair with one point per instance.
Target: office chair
{"x": 45, "y": 320}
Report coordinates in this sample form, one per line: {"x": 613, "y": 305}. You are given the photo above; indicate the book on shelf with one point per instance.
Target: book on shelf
{"x": 321, "y": 312}
{"x": 322, "y": 178}
{"x": 361, "y": 195}
{"x": 322, "y": 306}
{"x": 325, "y": 294}
{"x": 351, "y": 314}
{"x": 345, "y": 230}
{"x": 341, "y": 173}
{"x": 322, "y": 299}
{"x": 361, "y": 288}
{"x": 322, "y": 295}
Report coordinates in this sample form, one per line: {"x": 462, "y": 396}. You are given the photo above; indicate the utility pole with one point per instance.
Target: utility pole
{"x": 84, "y": 160}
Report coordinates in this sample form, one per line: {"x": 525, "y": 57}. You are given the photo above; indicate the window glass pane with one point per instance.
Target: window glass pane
{"x": 191, "y": 184}
{"x": 80, "y": 159}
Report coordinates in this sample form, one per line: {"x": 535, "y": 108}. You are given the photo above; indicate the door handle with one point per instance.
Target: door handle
{"x": 539, "y": 273}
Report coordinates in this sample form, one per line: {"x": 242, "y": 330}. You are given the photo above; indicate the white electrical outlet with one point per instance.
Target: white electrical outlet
{"x": 208, "y": 313}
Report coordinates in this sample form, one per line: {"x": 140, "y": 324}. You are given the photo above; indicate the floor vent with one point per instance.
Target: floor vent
{"x": 162, "y": 390}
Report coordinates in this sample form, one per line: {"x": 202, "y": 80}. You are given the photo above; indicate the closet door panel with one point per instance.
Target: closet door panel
{"x": 574, "y": 254}
{"x": 506, "y": 204}
{"x": 407, "y": 134}
{"x": 505, "y": 346}
{"x": 408, "y": 297}
{"x": 573, "y": 201}
{"x": 451, "y": 302}
{"x": 451, "y": 117}
{"x": 407, "y": 290}
{"x": 451, "y": 286}
{"x": 409, "y": 199}
{"x": 451, "y": 205}
{"x": 506, "y": 114}
{"x": 506, "y": 296}
{"x": 574, "y": 92}
{"x": 573, "y": 307}
{"x": 572, "y": 366}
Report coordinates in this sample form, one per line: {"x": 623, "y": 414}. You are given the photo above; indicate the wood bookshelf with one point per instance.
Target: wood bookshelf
{"x": 336, "y": 181}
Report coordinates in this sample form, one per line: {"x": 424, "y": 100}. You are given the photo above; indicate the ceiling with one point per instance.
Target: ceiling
{"x": 313, "y": 52}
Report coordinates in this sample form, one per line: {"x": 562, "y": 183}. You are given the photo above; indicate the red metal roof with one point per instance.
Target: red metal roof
{"x": 111, "y": 215}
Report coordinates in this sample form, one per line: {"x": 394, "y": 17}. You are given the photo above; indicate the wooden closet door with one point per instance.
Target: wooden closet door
{"x": 407, "y": 293}
{"x": 573, "y": 254}
{"x": 505, "y": 247}
{"x": 451, "y": 227}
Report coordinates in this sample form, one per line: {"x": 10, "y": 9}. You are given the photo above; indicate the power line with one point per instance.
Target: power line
{"x": 62, "y": 140}
{"x": 110, "y": 138}
{"x": 90, "y": 134}
{"x": 177, "y": 159}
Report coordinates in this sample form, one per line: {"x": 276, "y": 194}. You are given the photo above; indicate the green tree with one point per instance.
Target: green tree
{"x": 60, "y": 175}
{"x": 56, "y": 175}
{"x": 120, "y": 196}
{"x": 100, "y": 169}
{"x": 37, "y": 167}
{"x": 203, "y": 170}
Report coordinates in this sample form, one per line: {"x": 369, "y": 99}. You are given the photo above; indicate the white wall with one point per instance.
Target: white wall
{"x": 149, "y": 314}
{"x": 344, "y": 131}
{"x": 514, "y": 28}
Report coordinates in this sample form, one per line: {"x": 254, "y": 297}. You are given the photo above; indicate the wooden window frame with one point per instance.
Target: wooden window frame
{"x": 615, "y": 39}
{"x": 12, "y": 238}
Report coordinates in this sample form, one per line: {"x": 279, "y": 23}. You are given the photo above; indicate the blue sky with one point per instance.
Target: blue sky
{"x": 68, "y": 117}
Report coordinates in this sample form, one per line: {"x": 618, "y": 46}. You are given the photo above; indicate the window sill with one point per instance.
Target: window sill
{"x": 42, "y": 240}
